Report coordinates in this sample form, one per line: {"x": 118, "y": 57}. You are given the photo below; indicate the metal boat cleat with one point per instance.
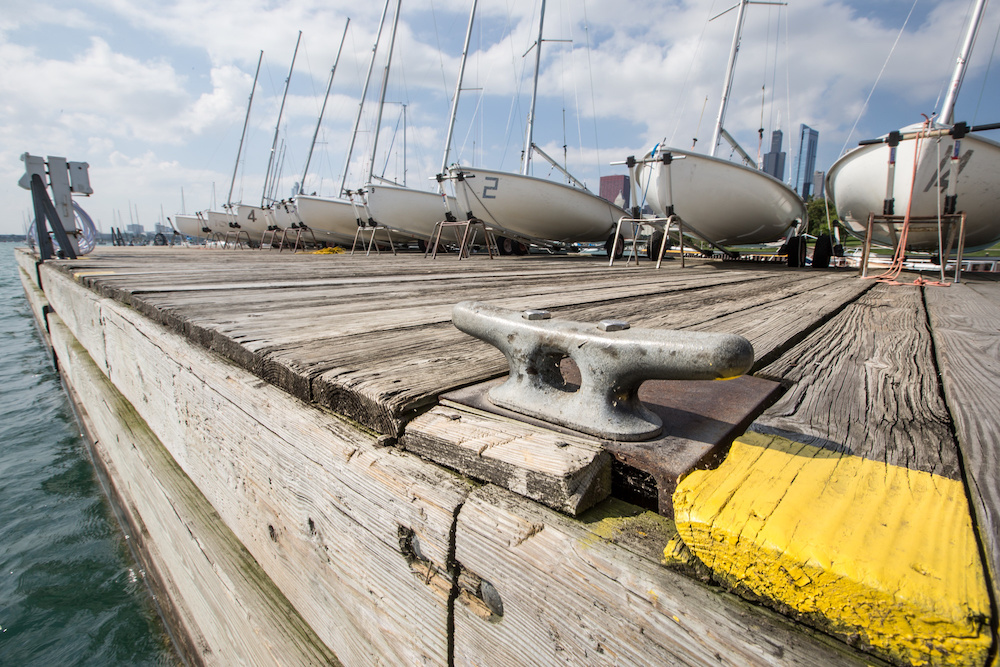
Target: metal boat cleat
{"x": 613, "y": 361}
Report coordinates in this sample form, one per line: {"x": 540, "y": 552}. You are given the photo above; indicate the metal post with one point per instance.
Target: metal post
{"x": 44, "y": 209}
{"x": 361, "y": 105}
{"x": 277, "y": 126}
{"x": 526, "y": 161}
{"x": 329, "y": 85}
{"x": 239, "y": 151}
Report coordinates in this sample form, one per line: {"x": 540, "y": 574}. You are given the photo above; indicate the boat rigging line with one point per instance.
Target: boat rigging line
{"x": 986, "y": 75}
{"x": 277, "y": 126}
{"x": 864, "y": 107}
{"x": 385, "y": 84}
{"x": 361, "y": 104}
{"x": 687, "y": 77}
{"x": 246, "y": 121}
{"x": 719, "y": 132}
{"x": 326, "y": 98}
{"x": 458, "y": 92}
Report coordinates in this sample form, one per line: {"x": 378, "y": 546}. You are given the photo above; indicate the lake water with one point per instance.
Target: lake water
{"x": 70, "y": 593}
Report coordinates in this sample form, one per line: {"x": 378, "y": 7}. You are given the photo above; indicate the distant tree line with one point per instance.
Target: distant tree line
{"x": 816, "y": 207}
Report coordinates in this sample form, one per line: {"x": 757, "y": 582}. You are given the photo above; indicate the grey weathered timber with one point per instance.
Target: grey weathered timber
{"x": 311, "y": 324}
{"x": 564, "y": 472}
{"x": 221, "y": 606}
{"x": 269, "y": 378}
{"x": 966, "y": 331}
{"x": 316, "y": 502}
{"x": 569, "y": 596}
{"x": 865, "y": 384}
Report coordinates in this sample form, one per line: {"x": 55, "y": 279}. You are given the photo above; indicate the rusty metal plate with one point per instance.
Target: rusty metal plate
{"x": 700, "y": 420}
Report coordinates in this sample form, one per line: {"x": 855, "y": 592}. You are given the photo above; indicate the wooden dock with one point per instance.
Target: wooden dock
{"x": 273, "y": 426}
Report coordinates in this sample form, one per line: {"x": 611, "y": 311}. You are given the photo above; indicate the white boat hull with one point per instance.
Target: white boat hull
{"x": 721, "y": 201}
{"x": 412, "y": 212}
{"x": 285, "y": 214}
{"x": 337, "y": 218}
{"x": 857, "y": 184}
{"x": 535, "y": 209}
{"x": 190, "y": 225}
{"x": 253, "y": 220}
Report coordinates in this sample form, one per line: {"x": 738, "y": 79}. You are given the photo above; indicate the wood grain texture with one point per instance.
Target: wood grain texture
{"x": 319, "y": 505}
{"x": 566, "y": 473}
{"x": 865, "y": 384}
{"x": 372, "y": 340}
{"x": 210, "y": 585}
{"x": 570, "y": 597}
{"x": 966, "y": 330}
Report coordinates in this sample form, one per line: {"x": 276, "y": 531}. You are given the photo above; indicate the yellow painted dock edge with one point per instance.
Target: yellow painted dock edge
{"x": 881, "y": 555}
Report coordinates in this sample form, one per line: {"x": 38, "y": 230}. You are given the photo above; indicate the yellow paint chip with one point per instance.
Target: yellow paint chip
{"x": 866, "y": 549}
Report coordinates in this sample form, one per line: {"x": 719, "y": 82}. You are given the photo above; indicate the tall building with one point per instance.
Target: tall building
{"x": 774, "y": 162}
{"x": 819, "y": 184}
{"x": 616, "y": 190}
{"x": 805, "y": 165}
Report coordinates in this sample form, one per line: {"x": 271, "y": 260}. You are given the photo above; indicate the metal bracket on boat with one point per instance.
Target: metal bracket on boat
{"x": 613, "y": 361}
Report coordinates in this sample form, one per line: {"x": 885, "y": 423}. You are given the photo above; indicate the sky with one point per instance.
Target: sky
{"x": 153, "y": 94}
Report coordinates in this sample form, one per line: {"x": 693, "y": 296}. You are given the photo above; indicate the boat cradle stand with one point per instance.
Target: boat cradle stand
{"x": 296, "y": 230}
{"x": 234, "y": 236}
{"x": 660, "y": 224}
{"x": 465, "y": 240}
{"x": 954, "y": 222}
{"x": 373, "y": 227}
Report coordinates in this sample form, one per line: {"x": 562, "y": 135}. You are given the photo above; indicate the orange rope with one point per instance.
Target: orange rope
{"x": 890, "y": 275}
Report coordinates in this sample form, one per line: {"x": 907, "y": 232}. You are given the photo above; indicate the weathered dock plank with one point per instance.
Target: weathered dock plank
{"x": 965, "y": 322}
{"x": 223, "y": 608}
{"x": 363, "y": 539}
{"x": 860, "y": 498}
{"x": 325, "y": 353}
{"x": 866, "y": 384}
{"x": 235, "y": 359}
{"x": 878, "y": 554}
{"x": 318, "y": 503}
{"x": 569, "y": 596}
{"x": 565, "y": 472}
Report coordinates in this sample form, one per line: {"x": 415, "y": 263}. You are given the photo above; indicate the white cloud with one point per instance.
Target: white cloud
{"x": 155, "y": 96}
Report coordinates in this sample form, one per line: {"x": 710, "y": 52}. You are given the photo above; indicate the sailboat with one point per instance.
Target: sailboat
{"x": 531, "y": 209}
{"x": 285, "y": 212}
{"x": 255, "y": 221}
{"x": 955, "y": 172}
{"x": 417, "y": 212}
{"x": 212, "y": 224}
{"x": 343, "y": 215}
{"x": 723, "y": 203}
{"x": 191, "y": 225}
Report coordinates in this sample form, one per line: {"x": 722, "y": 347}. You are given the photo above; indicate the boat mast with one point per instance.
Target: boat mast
{"x": 385, "y": 86}
{"x": 730, "y": 70}
{"x": 731, "y": 67}
{"x": 239, "y": 151}
{"x": 364, "y": 92}
{"x": 526, "y": 160}
{"x": 277, "y": 126}
{"x": 458, "y": 91}
{"x": 947, "y": 115}
{"x": 322, "y": 110}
